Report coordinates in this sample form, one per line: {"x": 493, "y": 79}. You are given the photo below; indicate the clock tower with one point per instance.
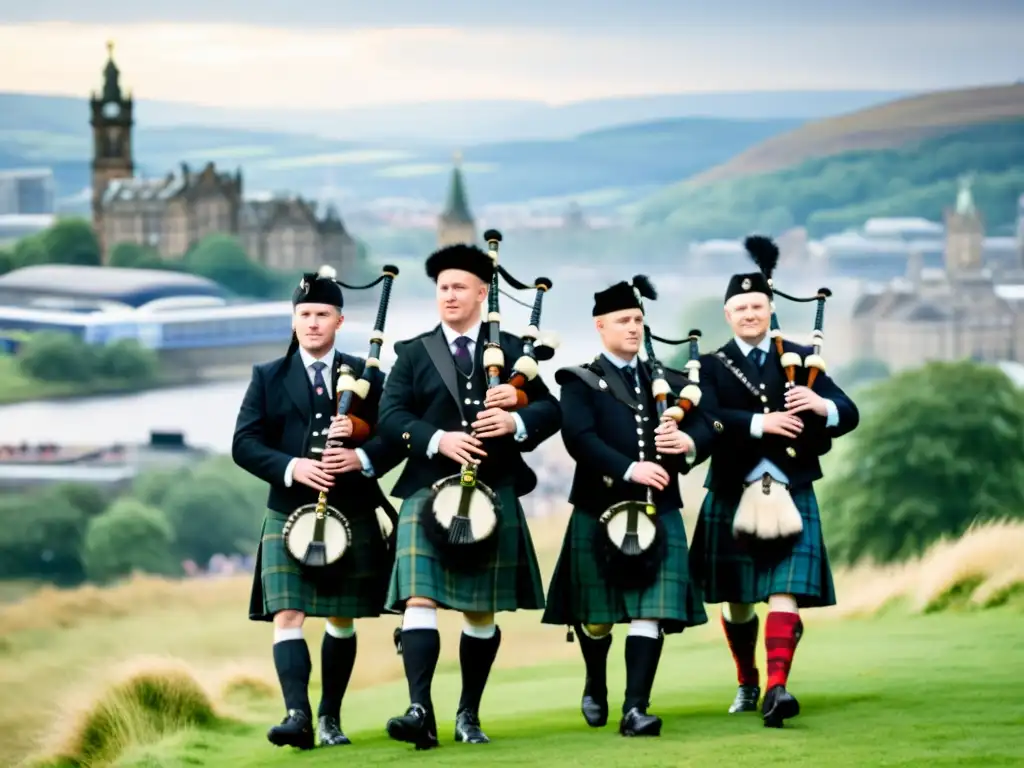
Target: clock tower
{"x": 111, "y": 121}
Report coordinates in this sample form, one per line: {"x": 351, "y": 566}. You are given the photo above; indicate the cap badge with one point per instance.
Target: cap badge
{"x": 745, "y": 285}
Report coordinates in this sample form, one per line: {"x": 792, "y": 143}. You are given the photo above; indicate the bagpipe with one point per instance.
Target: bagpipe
{"x": 767, "y": 518}
{"x": 630, "y": 540}
{"x": 461, "y": 515}
{"x": 319, "y": 534}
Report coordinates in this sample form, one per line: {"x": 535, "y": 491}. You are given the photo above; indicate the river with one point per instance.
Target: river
{"x": 205, "y": 414}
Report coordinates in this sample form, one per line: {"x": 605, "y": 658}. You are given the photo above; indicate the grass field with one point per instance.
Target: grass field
{"x": 919, "y": 665}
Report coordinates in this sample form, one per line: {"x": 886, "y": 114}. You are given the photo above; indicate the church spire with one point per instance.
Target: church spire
{"x": 111, "y": 78}
{"x": 456, "y": 224}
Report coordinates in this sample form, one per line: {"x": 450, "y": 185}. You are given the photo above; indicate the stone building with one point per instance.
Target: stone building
{"x": 963, "y": 310}
{"x": 455, "y": 225}
{"x": 172, "y": 213}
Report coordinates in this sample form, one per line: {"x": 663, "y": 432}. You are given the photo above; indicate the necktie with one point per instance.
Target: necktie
{"x": 462, "y": 358}
{"x": 319, "y": 385}
{"x": 757, "y": 356}
{"x": 629, "y": 374}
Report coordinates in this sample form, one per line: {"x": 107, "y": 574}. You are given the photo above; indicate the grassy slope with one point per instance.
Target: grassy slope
{"x": 888, "y": 125}
{"x": 59, "y": 650}
{"x": 886, "y": 701}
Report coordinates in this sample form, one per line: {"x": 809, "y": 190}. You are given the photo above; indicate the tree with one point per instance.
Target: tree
{"x": 41, "y": 536}
{"x": 939, "y": 448}
{"x": 217, "y": 511}
{"x": 127, "y": 360}
{"x": 222, "y": 258}
{"x": 135, "y": 255}
{"x": 55, "y": 356}
{"x": 72, "y": 241}
{"x": 7, "y": 262}
{"x": 129, "y": 536}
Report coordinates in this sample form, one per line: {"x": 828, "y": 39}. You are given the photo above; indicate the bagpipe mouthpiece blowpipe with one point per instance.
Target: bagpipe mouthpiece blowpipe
{"x": 814, "y": 362}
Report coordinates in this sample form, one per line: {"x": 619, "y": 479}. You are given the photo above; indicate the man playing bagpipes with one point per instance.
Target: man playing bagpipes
{"x": 306, "y": 426}
{"x": 758, "y": 537}
{"x": 463, "y": 542}
{"x": 624, "y": 557}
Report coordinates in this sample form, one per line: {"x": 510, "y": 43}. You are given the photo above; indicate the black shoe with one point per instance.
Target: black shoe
{"x": 294, "y": 731}
{"x": 416, "y": 726}
{"x": 746, "y": 699}
{"x": 329, "y": 732}
{"x": 779, "y": 705}
{"x": 467, "y": 728}
{"x": 637, "y": 723}
{"x": 594, "y": 706}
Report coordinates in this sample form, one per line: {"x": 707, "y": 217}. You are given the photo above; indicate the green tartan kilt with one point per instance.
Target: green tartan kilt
{"x": 352, "y": 588}
{"x": 579, "y": 593}
{"x": 728, "y": 574}
{"x": 509, "y": 580}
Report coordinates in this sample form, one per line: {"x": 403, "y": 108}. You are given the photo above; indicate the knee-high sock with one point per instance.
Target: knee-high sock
{"x": 654, "y": 666}
{"x": 782, "y": 631}
{"x": 742, "y": 639}
{"x": 595, "y": 658}
{"x": 293, "y": 664}
{"x": 478, "y": 648}
{"x": 421, "y": 647}
{"x": 337, "y": 658}
{"x": 641, "y": 663}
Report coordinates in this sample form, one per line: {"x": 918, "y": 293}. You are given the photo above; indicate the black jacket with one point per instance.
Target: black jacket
{"x": 601, "y": 433}
{"x": 732, "y": 405}
{"x": 273, "y": 427}
{"x": 421, "y": 398}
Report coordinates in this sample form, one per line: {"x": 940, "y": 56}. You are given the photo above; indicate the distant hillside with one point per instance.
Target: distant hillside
{"x": 452, "y": 122}
{"x": 829, "y": 194}
{"x": 889, "y": 125}
{"x": 599, "y": 169}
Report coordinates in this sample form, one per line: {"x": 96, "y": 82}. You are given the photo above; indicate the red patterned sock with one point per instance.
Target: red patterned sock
{"x": 742, "y": 639}
{"x": 782, "y": 630}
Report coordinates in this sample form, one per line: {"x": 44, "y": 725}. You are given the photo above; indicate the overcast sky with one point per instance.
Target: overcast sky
{"x": 336, "y": 53}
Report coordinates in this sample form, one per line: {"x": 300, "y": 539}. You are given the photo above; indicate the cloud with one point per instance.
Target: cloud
{"x": 236, "y": 65}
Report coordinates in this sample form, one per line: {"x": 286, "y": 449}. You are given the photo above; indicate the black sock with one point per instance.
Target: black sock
{"x": 420, "y": 651}
{"x": 337, "y": 657}
{"x": 476, "y": 657}
{"x": 641, "y": 665}
{"x": 649, "y": 683}
{"x": 595, "y": 657}
{"x": 291, "y": 658}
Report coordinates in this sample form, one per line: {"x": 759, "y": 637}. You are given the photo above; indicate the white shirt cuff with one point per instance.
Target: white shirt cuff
{"x": 365, "y": 461}
{"x": 757, "y": 425}
{"x": 435, "y": 442}
{"x": 833, "y": 414}
{"x": 289, "y": 471}
{"x": 629, "y": 472}
{"x": 520, "y": 427}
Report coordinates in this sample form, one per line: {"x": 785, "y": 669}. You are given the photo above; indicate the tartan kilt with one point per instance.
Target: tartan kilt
{"x": 352, "y": 588}
{"x": 579, "y": 593}
{"x": 727, "y": 574}
{"x": 509, "y": 580}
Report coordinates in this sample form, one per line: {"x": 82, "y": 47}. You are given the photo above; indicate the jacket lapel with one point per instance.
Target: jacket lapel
{"x": 296, "y": 383}
{"x": 443, "y": 362}
{"x": 617, "y": 385}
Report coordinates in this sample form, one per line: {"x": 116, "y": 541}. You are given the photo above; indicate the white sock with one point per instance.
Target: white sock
{"x": 643, "y": 628}
{"x": 480, "y": 631}
{"x": 281, "y": 634}
{"x": 419, "y": 617}
{"x": 738, "y": 613}
{"x": 342, "y": 633}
